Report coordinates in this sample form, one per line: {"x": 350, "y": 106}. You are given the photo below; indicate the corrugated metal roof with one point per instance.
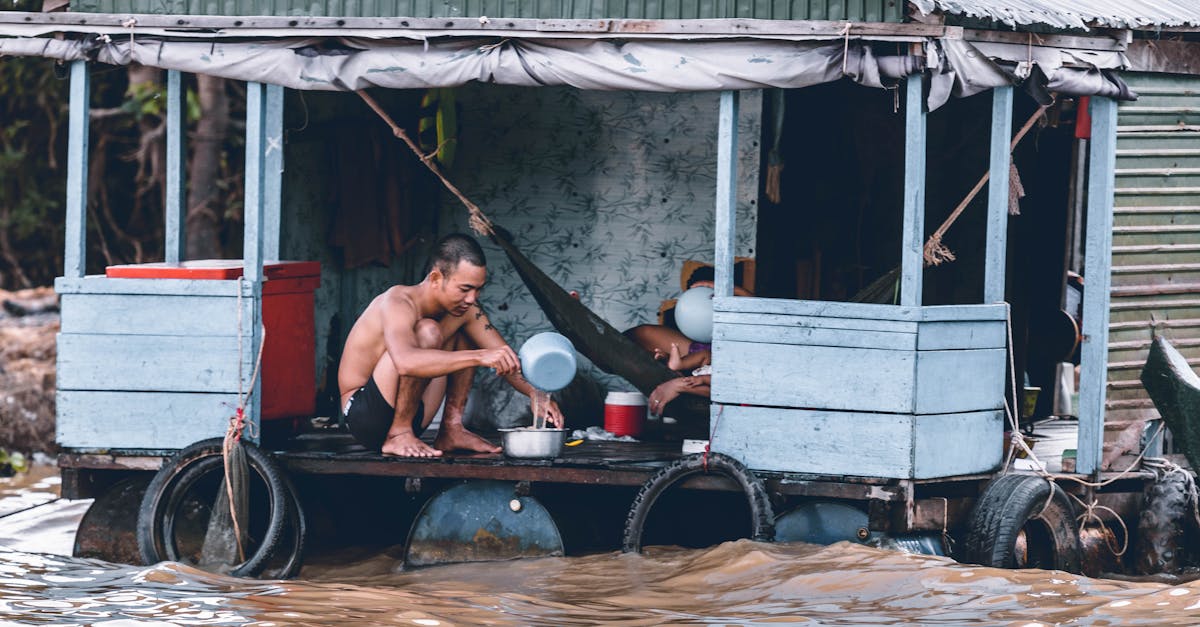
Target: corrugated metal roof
{"x": 835, "y": 10}
{"x": 1073, "y": 13}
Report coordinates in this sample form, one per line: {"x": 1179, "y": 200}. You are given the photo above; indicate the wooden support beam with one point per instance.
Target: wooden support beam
{"x": 75, "y": 255}
{"x": 1078, "y": 42}
{"x": 255, "y": 167}
{"x": 741, "y": 27}
{"x": 912, "y": 255}
{"x": 997, "y": 220}
{"x": 1093, "y": 381}
{"x": 252, "y": 245}
{"x": 1161, "y": 55}
{"x": 726, "y": 218}
{"x": 175, "y": 222}
{"x": 273, "y": 173}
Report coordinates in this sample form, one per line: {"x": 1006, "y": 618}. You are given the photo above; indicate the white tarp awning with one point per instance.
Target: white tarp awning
{"x": 958, "y": 68}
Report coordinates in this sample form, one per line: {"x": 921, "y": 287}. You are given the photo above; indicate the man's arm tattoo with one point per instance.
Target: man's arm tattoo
{"x": 487, "y": 324}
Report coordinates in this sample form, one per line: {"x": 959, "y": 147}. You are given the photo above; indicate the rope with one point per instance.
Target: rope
{"x": 946, "y": 539}
{"x": 26, "y": 509}
{"x": 130, "y": 24}
{"x": 1089, "y": 513}
{"x": 845, "y": 45}
{"x": 237, "y": 422}
{"x": 937, "y": 253}
{"x": 1089, "y": 509}
{"x": 1018, "y": 441}
{"x": 479, "y": 222}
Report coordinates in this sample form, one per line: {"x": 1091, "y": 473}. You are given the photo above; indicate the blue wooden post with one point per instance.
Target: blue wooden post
{"x": 75, "y": 255}
{"x": 273, "y": 173}
{"x": 175, "y": 223}
{"x": 997, "y": 221}
{"x": 1093, "y": 380}
{"x": 252, "y": 238}
{"x": 912, "y": 255}
{"x": 254, "y": 191}
{"x": 726, "y": 218}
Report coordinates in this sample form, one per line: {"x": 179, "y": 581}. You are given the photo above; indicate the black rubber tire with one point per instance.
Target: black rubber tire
{"x": 180, "y": 473}
{"x": 1162, "y": 533}
{"x": 762, "y": 514}
{"x": 1013, "y": 507}
{"x": 296, "y": 533}
{"x": 288, "y": 543}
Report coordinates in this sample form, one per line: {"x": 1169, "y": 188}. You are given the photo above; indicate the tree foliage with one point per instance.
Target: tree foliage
{"x": 33, "y": 97}
{"x": 126, "y": 173}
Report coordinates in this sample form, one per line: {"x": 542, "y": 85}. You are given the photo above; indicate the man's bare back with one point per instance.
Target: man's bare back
{"x": 415, "y": 345}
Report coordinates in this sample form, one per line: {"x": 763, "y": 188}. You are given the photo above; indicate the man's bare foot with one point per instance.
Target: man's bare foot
{"x": 457, "y": 438}
{"x": 406, "y": 444}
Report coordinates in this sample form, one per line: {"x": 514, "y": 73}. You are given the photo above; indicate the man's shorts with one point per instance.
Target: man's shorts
{"x": 369, "y": 416}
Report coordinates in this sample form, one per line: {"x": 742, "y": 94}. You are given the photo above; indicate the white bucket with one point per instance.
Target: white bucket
{"x": 548, "y": 361}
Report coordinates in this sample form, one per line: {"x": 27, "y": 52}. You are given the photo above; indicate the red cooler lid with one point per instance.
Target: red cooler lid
{"x": 213, "y": 269}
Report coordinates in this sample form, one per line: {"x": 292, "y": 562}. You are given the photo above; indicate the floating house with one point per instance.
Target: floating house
{"x": 864, "y": 394}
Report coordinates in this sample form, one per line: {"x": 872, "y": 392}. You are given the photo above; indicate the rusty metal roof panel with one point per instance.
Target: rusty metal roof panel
{"x": 835, "y": 10}
{"x": 1073, "y": 13}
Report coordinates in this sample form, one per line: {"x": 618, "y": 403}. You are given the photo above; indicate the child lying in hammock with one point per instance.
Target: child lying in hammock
{"x": 668, "y": 344}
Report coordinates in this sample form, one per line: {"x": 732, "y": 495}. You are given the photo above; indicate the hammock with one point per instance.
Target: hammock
{"x": 605, "y": 346}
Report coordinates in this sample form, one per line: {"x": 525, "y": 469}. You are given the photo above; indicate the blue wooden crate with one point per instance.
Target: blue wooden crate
{"x": 151, "y": 364}
{"x": 859, "y": 389}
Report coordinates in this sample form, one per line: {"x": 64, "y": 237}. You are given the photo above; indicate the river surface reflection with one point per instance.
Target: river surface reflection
{"x": 734, "y": 583}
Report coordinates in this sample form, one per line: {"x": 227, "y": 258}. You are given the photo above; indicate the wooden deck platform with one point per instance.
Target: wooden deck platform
{"x": 590, "y": 463}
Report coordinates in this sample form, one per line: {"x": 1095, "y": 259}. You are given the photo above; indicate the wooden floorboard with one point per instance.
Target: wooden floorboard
{"x": 590, "y": 463}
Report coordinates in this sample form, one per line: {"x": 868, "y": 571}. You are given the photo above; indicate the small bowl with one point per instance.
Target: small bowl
{"x": 530, "y": 443}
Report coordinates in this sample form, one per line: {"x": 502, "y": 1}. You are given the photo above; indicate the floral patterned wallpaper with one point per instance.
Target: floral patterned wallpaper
{"x": 608, "y": 192}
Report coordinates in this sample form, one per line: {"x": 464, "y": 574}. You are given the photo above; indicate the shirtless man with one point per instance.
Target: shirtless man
{"x": 415, "y": 345}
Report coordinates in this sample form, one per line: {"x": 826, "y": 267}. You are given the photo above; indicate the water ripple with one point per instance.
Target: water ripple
{"x": 734, "y": 583}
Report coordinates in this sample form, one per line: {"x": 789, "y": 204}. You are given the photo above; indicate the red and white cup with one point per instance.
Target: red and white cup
{"x": 625, "y": 413}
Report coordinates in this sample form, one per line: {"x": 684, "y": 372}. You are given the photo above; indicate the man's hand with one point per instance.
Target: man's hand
{"x": 553, "y": 414}
{"x": 503, "y": 359}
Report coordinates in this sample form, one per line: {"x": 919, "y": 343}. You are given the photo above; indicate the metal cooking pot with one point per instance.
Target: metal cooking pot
{"x": 532, "y": 443}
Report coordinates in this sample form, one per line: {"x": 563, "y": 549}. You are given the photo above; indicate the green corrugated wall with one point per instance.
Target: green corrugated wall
{"x": 1156, "y": 234}
{"x": 853, "y": 10}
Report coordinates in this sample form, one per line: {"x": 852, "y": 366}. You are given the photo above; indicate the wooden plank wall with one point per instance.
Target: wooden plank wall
{"x": 863, "y": 444}
{"x": 855, "y": 389}
{"x": 1156, "y": 226}
{"x": 150, "y": 363}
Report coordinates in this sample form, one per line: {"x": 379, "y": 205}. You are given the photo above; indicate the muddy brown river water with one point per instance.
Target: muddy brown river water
{"x": 734, "y": 583}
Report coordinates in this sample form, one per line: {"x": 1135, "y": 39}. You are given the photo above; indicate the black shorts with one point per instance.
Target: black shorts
{"x": 369, "y": 416}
